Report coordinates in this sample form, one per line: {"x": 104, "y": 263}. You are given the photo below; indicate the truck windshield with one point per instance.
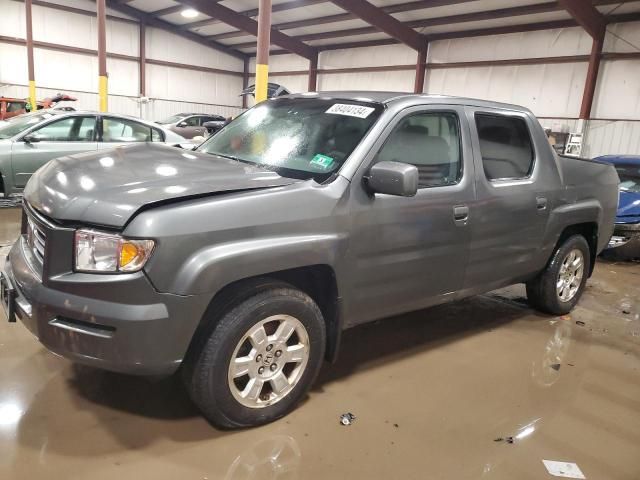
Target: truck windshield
{"x": 19, "y": 124}
{"x": 629, "y": 179}
{"x": 296, "y": 137}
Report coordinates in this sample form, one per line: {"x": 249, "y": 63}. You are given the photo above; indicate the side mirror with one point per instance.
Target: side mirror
{"x": 182, "y": 124}
{"x": 393, "y": 178}
{"x": 31, "y": 138}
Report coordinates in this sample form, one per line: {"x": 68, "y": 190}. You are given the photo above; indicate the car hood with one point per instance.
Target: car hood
{"x": 108, "y": 187}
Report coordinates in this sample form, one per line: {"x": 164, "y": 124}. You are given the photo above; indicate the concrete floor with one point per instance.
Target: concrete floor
{"x": 432, "y": 392}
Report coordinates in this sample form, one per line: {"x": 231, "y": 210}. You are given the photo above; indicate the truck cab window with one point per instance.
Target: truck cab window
{"x": 431, "y": 142}
{"x": 505, "y": 146}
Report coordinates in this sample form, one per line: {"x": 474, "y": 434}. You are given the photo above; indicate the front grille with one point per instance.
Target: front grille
{"x": 36, "y": 239}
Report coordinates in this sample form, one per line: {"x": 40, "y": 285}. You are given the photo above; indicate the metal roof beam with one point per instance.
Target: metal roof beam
{"x": 152, "y": 21}
{"x": 587, "y": 16}
{"x": 383, "y": 21}
{"x": 242, "y": 22}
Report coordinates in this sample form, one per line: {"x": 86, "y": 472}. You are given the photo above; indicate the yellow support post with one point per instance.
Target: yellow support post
{"x": 103, "y": 92}
{"x": 32, "y": 95}
{"x": 262, "y": 54}
{"x": 262, "y": 80}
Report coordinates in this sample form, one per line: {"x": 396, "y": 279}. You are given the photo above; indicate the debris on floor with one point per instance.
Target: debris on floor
{"x": 563, "y": 469}
{"x": 556, "y": 366}
{"x": 347, "y": 418}
{"x": 505, "y": 439}
{"x": 580, "y": 322}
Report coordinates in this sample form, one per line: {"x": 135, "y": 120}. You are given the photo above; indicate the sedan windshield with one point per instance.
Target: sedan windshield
{"x": 629, "y": 179}
{"x": 19, "y": 124}
{"x": 296, "y": 137}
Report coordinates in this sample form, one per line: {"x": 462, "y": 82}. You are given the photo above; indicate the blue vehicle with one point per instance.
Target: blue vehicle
{"x": 625, "y": 241}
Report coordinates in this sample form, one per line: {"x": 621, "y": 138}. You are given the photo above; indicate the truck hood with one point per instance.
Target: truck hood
{"x": 628, "y": 207}
{"x": 108, "y": 187}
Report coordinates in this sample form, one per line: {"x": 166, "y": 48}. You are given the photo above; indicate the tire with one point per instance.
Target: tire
{"x": 270, "y": 313}
{"x": 543, "y": 291}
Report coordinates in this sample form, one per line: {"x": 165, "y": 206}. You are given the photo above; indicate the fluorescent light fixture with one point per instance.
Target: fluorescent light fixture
{"x": 189, "y": 13}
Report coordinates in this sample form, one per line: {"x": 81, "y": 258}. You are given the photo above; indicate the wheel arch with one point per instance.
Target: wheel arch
{"x": 318, "y": 281}
{"x": 589, "y": 230}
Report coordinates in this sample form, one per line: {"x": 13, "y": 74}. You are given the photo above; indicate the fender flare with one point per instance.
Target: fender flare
{"x": 210, "y": 269}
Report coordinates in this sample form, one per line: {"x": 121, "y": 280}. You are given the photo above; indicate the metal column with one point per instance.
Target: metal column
{"x": 420, "y": 70}
{"x": 592, "y": 77}
{"x": 32, "y": 78}
{"x": 262, "y": 55}
{"x": 313, "y": 74}
{"x": 143, "y": 60}
{"x": 102, "y": 54}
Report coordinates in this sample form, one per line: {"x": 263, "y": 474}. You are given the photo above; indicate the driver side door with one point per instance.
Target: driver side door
{"x": 60, "y": 137}
{"x": 408, "y": 253}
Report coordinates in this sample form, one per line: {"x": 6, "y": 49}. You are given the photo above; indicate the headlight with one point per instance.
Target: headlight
{"x": 105, "y": 252}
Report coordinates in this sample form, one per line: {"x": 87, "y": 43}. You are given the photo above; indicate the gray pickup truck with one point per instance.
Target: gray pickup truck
{"x": 241, "y": 263}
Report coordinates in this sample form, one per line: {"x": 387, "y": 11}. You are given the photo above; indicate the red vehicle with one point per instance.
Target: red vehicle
{"x": 11, "y": 107}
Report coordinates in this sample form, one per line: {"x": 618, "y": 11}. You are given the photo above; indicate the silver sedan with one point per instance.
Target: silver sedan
{"x": 29, "y": 141}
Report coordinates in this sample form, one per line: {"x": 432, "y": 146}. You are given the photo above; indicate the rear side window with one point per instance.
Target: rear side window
{"x": 120, "y": 130}
{"x": 505, "y": 145}
{"x": 431, "y": 142}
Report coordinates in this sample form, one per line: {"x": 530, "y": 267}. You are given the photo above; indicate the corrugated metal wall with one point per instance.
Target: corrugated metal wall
{"x": 549, "y": 90}
{"x": 170, "y": 89}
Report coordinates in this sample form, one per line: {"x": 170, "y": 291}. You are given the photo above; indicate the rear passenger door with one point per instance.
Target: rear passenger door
{"x": 512, "y": 203}
{"x": 411, "y": 252}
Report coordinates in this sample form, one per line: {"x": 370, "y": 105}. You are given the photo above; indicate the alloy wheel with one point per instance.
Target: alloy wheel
{"x": 268, "y": 361}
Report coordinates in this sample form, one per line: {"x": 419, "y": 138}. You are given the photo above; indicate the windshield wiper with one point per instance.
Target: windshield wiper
{"x": 231, "y": 157}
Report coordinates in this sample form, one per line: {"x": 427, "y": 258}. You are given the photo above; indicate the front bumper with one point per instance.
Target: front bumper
{"x": 115, "y": 322}
{"x": 625, "y": 241}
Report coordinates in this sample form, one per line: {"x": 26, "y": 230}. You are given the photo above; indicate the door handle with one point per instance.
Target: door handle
{"x": 541, "y": 203}
{"x": 460, "y": 214}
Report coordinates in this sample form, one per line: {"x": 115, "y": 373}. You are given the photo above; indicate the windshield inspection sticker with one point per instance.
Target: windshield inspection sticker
{"x": 350, "y": 110}
{"x": 322, "y": 161}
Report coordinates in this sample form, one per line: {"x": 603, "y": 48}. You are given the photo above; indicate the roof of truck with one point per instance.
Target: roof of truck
{"x": 419, "y": 98}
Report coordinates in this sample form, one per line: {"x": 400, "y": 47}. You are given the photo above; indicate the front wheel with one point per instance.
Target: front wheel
{"x": 260, "y": 359}
{"x": 560, "y": 285}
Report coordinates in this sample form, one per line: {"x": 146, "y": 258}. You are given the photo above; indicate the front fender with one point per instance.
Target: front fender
{"x": 208, "y": 270}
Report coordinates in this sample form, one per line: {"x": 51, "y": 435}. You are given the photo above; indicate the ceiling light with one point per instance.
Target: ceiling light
{"x": 189, "y": 13}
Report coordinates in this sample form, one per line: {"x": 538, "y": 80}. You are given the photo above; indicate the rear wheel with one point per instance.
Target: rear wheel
{"x": 559, "y": 286}
{"x": 260, "y": 359}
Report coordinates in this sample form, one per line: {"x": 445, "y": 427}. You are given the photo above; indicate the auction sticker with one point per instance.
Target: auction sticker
{"x": 322, "y": 161}
{"x": 358, "y": 111}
